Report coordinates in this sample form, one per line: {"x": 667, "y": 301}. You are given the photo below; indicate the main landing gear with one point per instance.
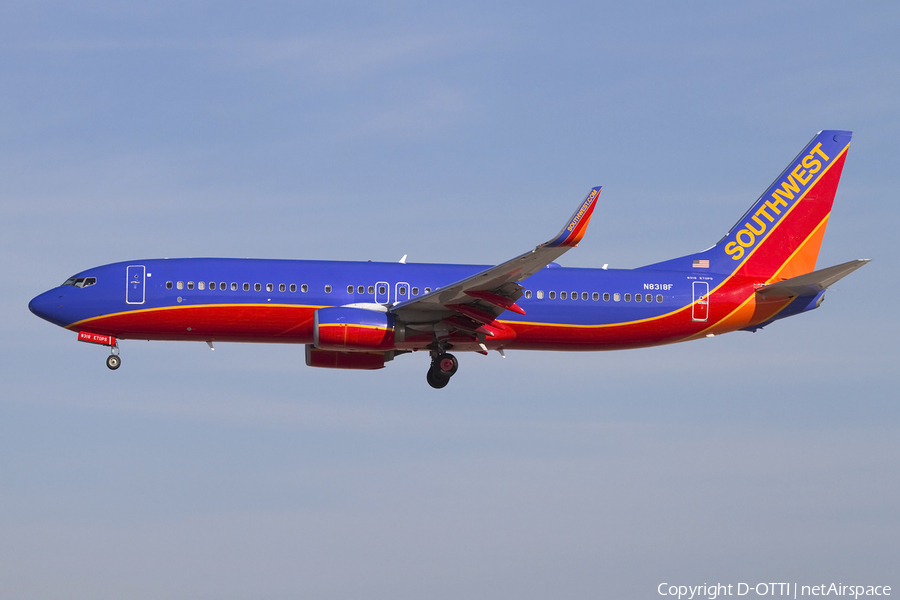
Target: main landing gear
{"x": 113, "y": 361}
{"x": 443, "y": 366}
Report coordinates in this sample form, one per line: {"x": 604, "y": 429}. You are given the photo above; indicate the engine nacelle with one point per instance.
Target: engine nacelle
{"x": 330, "y": 359}
{"x": 355, "y": 329}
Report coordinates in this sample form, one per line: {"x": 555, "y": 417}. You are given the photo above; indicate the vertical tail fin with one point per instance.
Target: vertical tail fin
{"x": 780, "y": 236}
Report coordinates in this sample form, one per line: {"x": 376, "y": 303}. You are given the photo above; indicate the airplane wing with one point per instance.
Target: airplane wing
{"x": 472, "y": 304}
{"x": 811, "y": 283}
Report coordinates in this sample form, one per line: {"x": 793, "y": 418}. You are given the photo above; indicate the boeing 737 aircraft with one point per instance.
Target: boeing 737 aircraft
{"x": 360, "y": 315}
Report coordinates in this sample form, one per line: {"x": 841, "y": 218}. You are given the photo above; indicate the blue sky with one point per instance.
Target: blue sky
{"x": 451, "y": 133}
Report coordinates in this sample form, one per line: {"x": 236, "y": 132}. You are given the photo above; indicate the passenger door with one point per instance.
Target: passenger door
{"x": 701, "y": 301}
{"x": 134, "y": 292}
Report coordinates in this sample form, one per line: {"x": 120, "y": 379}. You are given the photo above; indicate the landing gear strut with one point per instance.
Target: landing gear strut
{"x": 113, "y": 361}
{"x": 443, "y": 366}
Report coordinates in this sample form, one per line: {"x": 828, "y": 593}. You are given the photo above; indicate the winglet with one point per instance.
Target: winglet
{"x": 574, "y": 230}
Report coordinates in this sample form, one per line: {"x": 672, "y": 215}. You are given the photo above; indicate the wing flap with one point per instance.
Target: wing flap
{"x": 497, "y": 300}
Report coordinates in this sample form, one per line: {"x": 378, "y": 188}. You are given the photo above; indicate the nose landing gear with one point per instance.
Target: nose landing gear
{"x": 113, "y": 361}
{"x": 443, "y": 366}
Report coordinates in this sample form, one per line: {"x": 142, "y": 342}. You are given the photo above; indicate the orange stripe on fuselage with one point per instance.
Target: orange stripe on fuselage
{"x": 755, "y": 310}
{"x": 793, "y": 251}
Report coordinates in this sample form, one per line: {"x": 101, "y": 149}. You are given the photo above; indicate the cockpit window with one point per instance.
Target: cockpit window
{"x": 80, "y": 282}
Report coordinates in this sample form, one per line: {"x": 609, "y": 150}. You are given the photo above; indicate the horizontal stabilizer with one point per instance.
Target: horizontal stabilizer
{"x": 811, "y": 283}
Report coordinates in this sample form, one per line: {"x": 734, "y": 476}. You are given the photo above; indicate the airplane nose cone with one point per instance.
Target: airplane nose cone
{"x": 47, "y": 306}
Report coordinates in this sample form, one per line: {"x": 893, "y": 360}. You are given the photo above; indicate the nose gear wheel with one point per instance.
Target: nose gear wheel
{"x": 114, "y": 361}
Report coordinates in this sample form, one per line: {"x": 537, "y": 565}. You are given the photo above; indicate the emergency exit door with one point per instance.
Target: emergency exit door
{"x": 382, "y": 292}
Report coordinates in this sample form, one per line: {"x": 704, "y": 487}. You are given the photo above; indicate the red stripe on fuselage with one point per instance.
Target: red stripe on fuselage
{"x": 225, "y": 323}
{"x": 673, "y": 327}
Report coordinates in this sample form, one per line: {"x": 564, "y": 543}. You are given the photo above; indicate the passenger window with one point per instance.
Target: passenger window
{"x": 361, "y": 289}
{"x": 168, "y": 285}
{"x": 201, "y": 285}
{"x": 349, "y": 289}
{"x": 257, "y": 287}
{"x": 190, "y": 285}
{"x": 574, "y": 295}
{"x": 595, "y": 296}
{"x": 281, "y": 287}
{"x": 427, "y": 290}
{"x": 617, "y": 296}
{"x": 293, "y": 287}
{"x": 212, "y": 285}
{"x": 304, "y": 288}
{"x": 638, "y": 297}
{"x": 562, "y": 295}
{"x": 527, "y": 294}
{"x": 223, "y": 286}
{"x": 627, "y": 297}
{"x": 246, "y": 287}
{"x": 540, "y": 294}
{"x": 552, "y": 295}
{"x": 606, "y": 296}
{"x": 233, "y": 286}
{"x": 649, "y": 297}
{"x": 584, "y": 295}
{"x": 327, "y": 289}
{"x": 180, "y": 285}
{"x": 371, "y": 289}
{"x": 269, "y": 287}
{"x": 659, "y": 298}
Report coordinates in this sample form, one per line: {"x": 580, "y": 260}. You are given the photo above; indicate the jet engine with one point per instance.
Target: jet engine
{"x": 344, "y": 329}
